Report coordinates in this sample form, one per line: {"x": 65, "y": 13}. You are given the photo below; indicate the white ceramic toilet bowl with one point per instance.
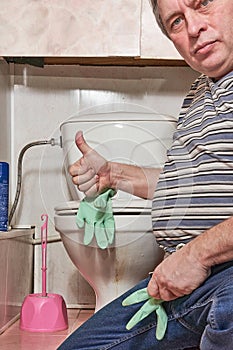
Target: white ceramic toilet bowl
{"x": 133, "y": 254}
{"x": 135, "y": 138}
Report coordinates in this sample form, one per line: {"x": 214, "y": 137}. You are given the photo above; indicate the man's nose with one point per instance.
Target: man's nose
{"x": 196, "y": 23}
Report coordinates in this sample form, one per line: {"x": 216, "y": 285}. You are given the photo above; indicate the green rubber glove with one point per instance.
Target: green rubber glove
{"x": 147, "y": 308}
{"x": 96, "y": 214}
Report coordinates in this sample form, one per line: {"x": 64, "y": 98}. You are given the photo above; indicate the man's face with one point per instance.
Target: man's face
{"x": 202, "y": 32}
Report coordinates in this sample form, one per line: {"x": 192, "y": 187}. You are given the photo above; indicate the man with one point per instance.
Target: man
{"x": 193, "y": 201}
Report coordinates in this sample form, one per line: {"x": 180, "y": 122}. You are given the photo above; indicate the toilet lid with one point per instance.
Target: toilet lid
{"x": 120, "y": 206}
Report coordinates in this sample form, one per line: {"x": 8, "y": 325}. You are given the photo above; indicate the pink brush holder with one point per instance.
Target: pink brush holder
{"x": 43, "y": 313}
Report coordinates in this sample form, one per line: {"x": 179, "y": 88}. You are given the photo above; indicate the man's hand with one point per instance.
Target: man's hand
{"x": 178, "y": 274}
{"x": 91, "y": 173}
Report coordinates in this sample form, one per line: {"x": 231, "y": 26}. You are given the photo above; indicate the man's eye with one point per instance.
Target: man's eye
{"x": 205, "y": 2}
{"x": 176, "y": 22}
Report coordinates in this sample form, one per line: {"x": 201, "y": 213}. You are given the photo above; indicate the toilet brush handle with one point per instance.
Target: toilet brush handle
{"x": 44, "y": 233}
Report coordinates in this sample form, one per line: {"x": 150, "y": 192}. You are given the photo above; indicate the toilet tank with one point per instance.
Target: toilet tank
{"x": 140, "y": 139}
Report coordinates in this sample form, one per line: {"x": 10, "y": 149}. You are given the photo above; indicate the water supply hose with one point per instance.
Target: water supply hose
{"x": 51, "y": 142}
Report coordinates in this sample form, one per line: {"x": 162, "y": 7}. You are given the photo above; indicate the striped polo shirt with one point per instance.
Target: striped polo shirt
{"x": 195, "y": 189}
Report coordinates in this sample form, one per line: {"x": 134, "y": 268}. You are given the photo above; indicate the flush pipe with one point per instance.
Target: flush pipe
{"x": 51, "y": 142}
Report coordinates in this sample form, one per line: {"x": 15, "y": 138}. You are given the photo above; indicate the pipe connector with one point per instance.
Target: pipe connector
{"x": 56, "y": 142}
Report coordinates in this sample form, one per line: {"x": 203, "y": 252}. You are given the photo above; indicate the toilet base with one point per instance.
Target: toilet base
{"x": 105, "y": 294}
{"x": 112, "y": 271}
{"x": 115, "y": 270}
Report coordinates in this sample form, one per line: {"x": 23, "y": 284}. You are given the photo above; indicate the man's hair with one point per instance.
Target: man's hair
{"x": 155, "y": 9}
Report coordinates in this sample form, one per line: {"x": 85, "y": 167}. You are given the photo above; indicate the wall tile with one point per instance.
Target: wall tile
{"x": 154, "y": 44}
{"x": 70, "y": 28}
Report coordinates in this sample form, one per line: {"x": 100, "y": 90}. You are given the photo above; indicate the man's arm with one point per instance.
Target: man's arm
{"x": 93, "y": 174}
{"x": 133, "y": 179}
{"x": 183, "y": 271}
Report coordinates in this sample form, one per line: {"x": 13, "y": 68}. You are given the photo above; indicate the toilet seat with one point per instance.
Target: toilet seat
{"x": 131, "y": 222}
{"x": 119, "y": 206}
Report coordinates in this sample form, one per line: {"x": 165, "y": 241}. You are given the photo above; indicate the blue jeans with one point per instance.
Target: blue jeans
{"x": 203, "y": 319}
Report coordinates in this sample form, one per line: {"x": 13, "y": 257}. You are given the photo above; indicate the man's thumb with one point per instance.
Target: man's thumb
{"x": 81, "y": 143}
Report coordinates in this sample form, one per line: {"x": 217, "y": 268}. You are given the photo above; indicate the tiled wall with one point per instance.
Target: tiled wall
{"x": 81, "y": 28}
{"x": 64, "y": 28}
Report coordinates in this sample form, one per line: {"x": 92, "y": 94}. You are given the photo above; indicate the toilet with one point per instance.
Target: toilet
{"x": 133, "y": 138}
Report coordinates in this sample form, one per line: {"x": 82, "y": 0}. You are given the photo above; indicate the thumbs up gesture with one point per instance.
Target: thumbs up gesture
{"x": 91, "y": 173}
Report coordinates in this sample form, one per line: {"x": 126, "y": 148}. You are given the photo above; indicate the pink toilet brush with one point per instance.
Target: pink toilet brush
{"x": 44, "y": 235}
{"x": 43, "y": 312}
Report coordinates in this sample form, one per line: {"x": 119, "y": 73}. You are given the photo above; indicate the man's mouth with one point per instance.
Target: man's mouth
{"x": 204, "y": 48}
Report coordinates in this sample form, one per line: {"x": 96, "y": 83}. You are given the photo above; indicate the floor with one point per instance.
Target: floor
{"x": 15, "y": 339}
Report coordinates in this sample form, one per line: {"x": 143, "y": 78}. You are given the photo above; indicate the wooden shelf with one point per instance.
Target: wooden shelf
{"x": 113, "y": 61}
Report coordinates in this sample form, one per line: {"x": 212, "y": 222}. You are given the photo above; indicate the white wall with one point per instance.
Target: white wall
{"x": 43, "y": 98}
{"x": 5, "y": 121}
